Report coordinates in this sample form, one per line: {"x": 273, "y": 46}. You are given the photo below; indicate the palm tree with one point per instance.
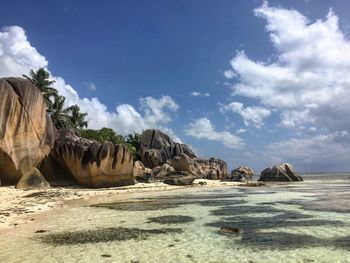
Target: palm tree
{"x": 60, "y": 115}
{"x": 134, "y": 140}
{"x": 77, "y": 118}
{"x": 41, "y": 79}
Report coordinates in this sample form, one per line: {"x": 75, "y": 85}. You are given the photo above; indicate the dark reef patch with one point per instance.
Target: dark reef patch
{"x": 103, "y": 235}
{"x": 171, "y": 219}
{"x": 138, "y": 205}
{"x": 243, "y": 210}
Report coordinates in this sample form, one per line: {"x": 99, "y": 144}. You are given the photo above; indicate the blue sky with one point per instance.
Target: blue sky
{"x": 251, "y": 87}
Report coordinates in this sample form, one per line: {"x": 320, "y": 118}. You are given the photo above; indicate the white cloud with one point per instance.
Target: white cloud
{"x": 18, "y": 57}
{"x": 199, "y": 94}
{"x": 90, "y": 85}
{"x": 240, "y": 130}
{"x": 308, "y": 82}
{"x": 325, "y": 152}
{"x": 203, "y": 129}
{"x": 251, "y": 115}
{"x": 229, "y": 74}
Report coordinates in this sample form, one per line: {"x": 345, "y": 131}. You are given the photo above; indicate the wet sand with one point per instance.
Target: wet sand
{"x": 21, "y": 206}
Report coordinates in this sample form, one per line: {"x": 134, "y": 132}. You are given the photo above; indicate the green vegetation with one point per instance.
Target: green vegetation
{"x": 72, "y": 117}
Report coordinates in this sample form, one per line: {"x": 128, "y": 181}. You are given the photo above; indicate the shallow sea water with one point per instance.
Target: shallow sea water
{"x": 294, "y": 222}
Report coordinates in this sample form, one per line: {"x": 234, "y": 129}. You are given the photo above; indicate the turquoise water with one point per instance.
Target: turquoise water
{"x": 294, "y": 222}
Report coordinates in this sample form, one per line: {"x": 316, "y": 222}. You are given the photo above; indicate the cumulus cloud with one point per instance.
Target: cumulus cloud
{"x": 203, "y": 129}
{"x": 199, "y": 94}
{"x": 308, "y": 82}
{"x": 18, "y": 57}
{"x": 251, "y": 115}
{"x": 313, "y": 153}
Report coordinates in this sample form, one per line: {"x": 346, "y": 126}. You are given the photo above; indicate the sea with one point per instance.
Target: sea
{"x": 305, "y": 221}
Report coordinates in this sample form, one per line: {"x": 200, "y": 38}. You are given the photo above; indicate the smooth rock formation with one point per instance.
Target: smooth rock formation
{"x": 219, "y": 166}
{"x": 242, "y": 174}
{"x": 157, "y": 148}
{"x": 282, "y": 172}
{"x": 139, "y": 169}
{"x": 179, "y": 178}
{"x": 32, "y": 180}
{"x": 26, "y": 131}
{"x": 94, "y": 164}
{"x": 212, "y": 175}
{"x": 161, "y": 171}
{"x": 184, "y": 163}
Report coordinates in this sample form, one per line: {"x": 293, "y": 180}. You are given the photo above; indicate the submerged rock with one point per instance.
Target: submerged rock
{"x": 26, "y": 131}
{"x": 32, "y": 180}
{"x": 242, "y": 174}
{"x": 179, "y": 178}
{"x": 229, "y": 230}
{"x": 94, "y": 164}
{"x": 282, "y": 172}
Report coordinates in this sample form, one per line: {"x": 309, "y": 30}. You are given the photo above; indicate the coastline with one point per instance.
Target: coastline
{"x": 21, "y": 206}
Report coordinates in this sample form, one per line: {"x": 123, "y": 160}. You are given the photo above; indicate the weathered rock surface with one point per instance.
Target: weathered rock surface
{"x": 161, "y": 171}
{"x": 145, "y": 178}
{"x": 157, "y": 148}
{"x": 184, "y": 163}
{"x": 212, "y": 175}
{"x": 282, "y": 172}
{"x": 94, "y": 164}
{"x": 219, "y": 166}
{"x": 139, "y": 169}
{"x": 242, "y": 174}
{"x": 179, "y": 178}
{"x": 26, "y": 131}
{"x": 32, "y": 180}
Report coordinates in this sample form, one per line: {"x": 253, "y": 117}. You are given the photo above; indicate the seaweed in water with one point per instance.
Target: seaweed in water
{"x": 103, "y": 235}
{"x": 171, "y": 219}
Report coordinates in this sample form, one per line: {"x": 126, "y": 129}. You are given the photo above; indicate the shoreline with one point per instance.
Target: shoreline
{"x": 17, "y": 205}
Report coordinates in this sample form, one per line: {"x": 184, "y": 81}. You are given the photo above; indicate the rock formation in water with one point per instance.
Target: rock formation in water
{"x": 157, "y": 148}
{"x": 94, "y": 164}
{"x": 26, "y": 131}
{"x": 242, "y": 174}
{"x": 282, "y": 172}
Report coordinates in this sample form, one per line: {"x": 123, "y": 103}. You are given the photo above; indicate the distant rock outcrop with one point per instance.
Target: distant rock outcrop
{"x": 184, "y": 163}
{"x": 242, "y": 174}
{"x": 94, "y": 164}
{"x": 282, "y": 172}
{"x": 26, "y": 131}
{"x": 179, "y": 178}
{"x": 157, "y": 148}
{"x": 211, "y": 166}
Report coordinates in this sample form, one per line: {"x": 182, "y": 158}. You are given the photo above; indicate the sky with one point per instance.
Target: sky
{"x": 255, "y": 83}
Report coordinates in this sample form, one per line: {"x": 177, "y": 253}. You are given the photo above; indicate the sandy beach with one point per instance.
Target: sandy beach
{"x": 16, "y": 205}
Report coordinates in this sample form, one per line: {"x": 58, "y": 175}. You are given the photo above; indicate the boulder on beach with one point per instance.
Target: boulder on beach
{"x": 157, "y": 148}
{"x": 184, "y": 163}
{"x": 213, "y": 164}
{"x": 145, "y": 178}
{"x": 94, "y": 164}
{"x": 282, "y": 172}
{"x": 139, "y": 169}
{"x": 32, "y": 180}
{"x": 26, "y": 131}
{"x": 161, "y": 171}
{"x": 179, "y": 178}
{"x": 242, "y": 174}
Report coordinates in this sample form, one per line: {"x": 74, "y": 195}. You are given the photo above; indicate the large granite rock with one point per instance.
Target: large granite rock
{"x": 213, "y": 164}
{"x": 139, "y": 169}
{"x": 179, "y": 178}
{"x": 94, "y": 164}
{"x": 161, "y": 171}
{"x": 26, "y": 131}
{"x": 32, "y": 180}
{"x": 157, "y": 148}
{"x": 241, "y": 174}
{"x": 184, "y": 163}
{"x": 282, "y": 172}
